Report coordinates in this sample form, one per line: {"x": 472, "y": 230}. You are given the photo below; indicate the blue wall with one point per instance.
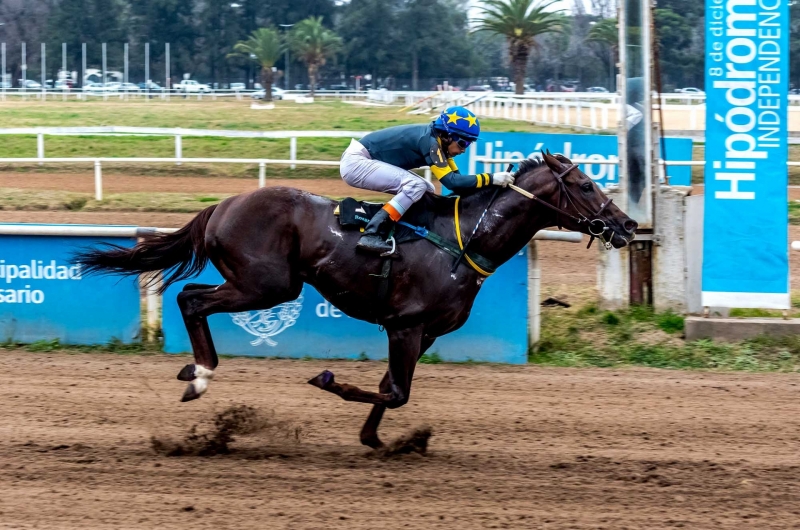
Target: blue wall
{"x": 497, "y": 330}
{"x": 44, "y": 297}
{"x": 593, "y": 146}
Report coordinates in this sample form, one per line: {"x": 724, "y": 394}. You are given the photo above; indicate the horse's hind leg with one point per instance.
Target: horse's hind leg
{"x": 369, "y": 433}
{"x": 196, "y": 304}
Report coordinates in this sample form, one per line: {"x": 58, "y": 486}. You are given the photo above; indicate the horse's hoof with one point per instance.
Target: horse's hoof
{"x": 187, "y": 374}
{"x": 322, "y": 380}
{"x": 373, "y": 442}
{"x": 190, "y": 393}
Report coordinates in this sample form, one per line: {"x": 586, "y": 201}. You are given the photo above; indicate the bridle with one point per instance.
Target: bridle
{"x": 596, "y": 227}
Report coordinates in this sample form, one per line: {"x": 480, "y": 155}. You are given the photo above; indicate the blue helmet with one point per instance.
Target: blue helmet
{"x": 460, "y": 122}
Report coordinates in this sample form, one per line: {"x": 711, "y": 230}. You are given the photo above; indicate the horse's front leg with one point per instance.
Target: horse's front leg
{"x": 404, "y": 347}
{"x": 369, "y": 433}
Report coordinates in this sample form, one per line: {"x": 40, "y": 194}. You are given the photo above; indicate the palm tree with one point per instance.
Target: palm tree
{"x": 605, "y": 32}
{"x": 313, "y": 43}
{"x": 265, "y": 47}
{"x": 520, "y": 21}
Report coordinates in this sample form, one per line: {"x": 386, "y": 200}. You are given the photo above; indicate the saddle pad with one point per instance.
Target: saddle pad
{"x": 355, "y": 215}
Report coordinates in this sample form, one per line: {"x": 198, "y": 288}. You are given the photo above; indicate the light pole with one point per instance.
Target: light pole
{"x": 286, "y": 58}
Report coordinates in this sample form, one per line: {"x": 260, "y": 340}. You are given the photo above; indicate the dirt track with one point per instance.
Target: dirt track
{"x": 513, "y": 447}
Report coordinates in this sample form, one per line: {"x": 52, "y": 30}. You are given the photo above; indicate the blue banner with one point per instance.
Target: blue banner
{"x": 497, "y": 329}
{"x": 745, "y": 250}
{"x": 602, "y": 148}
{"x": 44, "y": 297}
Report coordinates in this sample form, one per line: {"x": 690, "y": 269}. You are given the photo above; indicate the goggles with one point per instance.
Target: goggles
{"x": 462, "y": 143}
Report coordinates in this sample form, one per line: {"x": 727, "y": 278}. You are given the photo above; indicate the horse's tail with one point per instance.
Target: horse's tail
{"x": 183, "y": 252}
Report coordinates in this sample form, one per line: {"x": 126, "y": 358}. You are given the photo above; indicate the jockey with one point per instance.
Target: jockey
{"x": 382, "y": 161}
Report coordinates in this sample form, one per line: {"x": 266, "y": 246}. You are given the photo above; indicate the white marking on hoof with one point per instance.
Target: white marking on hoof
{"x": 203, "y": 372}
{"x": 200, "y": 385}
{"x": 203, "y": 376}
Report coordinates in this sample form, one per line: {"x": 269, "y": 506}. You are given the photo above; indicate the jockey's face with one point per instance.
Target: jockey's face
{"x": 453, "y": 149}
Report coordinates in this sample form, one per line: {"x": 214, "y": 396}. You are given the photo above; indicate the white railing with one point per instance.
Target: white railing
{"x": 177, "y": 133}
{"x": 166, "y": 94}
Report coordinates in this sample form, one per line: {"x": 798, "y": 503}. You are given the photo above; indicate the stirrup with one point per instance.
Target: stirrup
{"x": 394, "y": 248}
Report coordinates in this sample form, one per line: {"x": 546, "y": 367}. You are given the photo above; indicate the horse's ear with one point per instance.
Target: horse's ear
{"x": 552, "y": 162}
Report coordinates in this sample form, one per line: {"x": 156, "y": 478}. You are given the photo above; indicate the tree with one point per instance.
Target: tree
{"x": 92, "y": 22}
{"x": 313, "y": 43}
{"x": 434, "y": 37}
{"x": 520, "y": 21}
{"x": 605, "y": 33}
{"x": 264, "y": 46}
{"x": 369, "y": 30}
{"x": 157, "y": 22}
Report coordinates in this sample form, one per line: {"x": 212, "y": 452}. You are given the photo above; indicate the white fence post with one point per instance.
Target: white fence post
{"x": 40, "y": 147}
{"x": 178, "y": 148}
{"x": 292, "y": 150}
{"x": 534, "y": 294}
{"x": 604, "y": 117}
{"x": 428, "y": 174}
{"x": 98, "y": 181}
{"x": 262, "y": 174}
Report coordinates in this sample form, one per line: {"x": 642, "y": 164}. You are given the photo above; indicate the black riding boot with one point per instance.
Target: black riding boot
{"x": 374, "y": 237}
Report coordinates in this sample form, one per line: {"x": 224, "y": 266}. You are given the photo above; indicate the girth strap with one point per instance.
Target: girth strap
{"x": 479, "y": 263}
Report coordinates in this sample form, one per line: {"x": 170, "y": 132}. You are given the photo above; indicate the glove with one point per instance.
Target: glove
{"x": 503, "y": 178}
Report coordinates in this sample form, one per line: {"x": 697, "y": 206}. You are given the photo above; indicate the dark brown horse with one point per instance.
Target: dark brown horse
{"x": 268, "y": 243}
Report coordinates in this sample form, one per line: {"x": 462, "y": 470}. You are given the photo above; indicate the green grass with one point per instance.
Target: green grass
{"x": 228, "y": 115}
{"x": 33, "y": 200}
{"x": 641, "y": 337}
{"x": 113, "y": 346}
{"x": 431, "y": 358}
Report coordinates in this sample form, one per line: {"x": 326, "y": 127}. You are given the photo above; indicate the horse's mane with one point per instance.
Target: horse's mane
{"x": 527, "y": 165}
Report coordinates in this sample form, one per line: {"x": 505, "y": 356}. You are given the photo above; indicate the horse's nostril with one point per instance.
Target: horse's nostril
{"x": 630, "y": 226}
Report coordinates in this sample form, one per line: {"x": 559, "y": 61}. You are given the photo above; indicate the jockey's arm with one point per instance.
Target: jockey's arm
{"x": 448, "y": 174}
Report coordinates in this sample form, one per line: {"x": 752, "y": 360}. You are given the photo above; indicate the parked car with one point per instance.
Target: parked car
{"x": 100, "y": 88}
{"x": 238, "y": 86}
{"x": 689, "y": 90}
{"x": 277, "y": 93}
{"x": 597, "y": 89}
{"x": 150, "y": 85}
{"x": 342, "y": 86}
{"x": 29, "y": 84}
{"x": 129, "y": 87}
{"x": 479, "y": 88}
{"x": 64, "y": 84}
{"x": 193, "y": 87}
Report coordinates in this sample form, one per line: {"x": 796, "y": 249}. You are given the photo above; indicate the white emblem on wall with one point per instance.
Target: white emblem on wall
{"x": 267, "y": 323}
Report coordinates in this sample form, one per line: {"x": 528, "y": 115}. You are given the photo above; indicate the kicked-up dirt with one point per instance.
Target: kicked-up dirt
{"x": 101, "y": 441}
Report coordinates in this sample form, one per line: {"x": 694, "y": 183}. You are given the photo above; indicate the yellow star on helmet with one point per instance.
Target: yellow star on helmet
{"x": 471, "y": 118}
{"x": 454, "y": 117}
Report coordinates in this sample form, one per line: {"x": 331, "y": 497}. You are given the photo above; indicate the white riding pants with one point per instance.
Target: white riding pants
{"x": 359, "y": 170}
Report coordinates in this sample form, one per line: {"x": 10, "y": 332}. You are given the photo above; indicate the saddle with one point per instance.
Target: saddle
{"x": 415, "y": 224}
{"x": 355, "y": 215}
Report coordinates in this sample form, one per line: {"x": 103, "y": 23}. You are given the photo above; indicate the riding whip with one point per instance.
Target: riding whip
{"x": 480, "y": 220}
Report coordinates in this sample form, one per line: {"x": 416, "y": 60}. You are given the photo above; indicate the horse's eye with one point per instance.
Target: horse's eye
{"x": 587, "y": 187}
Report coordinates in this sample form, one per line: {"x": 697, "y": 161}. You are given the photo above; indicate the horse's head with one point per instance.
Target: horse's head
{"x": 580, "y": 204}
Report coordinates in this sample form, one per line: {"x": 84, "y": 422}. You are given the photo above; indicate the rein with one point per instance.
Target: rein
{"x": 596, "y": 226}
